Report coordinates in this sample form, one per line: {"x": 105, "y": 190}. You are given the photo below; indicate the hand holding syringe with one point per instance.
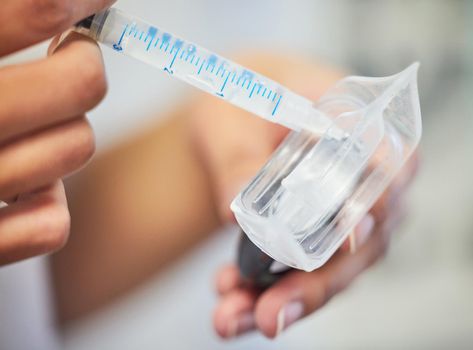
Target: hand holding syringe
{"x": 204, "y": 70}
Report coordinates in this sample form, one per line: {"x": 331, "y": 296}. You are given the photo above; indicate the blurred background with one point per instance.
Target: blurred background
{"x": 420, "y": 296}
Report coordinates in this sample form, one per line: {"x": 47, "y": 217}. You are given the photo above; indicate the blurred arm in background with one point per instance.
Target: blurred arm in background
{"x": 144, "y": 203}
{"x": 134, "y": 209}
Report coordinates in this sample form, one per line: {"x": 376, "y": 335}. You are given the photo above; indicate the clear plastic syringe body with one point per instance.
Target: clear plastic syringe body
{"x": 205, "y": 70}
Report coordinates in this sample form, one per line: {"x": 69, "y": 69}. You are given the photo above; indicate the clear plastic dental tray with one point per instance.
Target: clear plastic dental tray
{"x": 316, "y": 188}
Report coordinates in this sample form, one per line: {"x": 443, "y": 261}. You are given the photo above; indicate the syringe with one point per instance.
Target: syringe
{"x": 204, "y": 70}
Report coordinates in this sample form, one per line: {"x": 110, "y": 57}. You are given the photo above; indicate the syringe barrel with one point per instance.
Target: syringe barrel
{"x": 205, "y": 70}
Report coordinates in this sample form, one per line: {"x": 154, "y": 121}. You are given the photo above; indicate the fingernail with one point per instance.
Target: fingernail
{"x": 242, "y": 324}
{"x": 364, "y": 229}
{"x": 352, "y": 242}
{"x": 59, "y": 41}
{"x": 288, "y": 315}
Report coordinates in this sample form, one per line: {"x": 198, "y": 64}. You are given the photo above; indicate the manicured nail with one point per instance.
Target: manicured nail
{"x": 365, "y": 228}
{"x": 62, "y": 38}
{"x": 288, "y": 315}
{"x": 352, "y": 242}
{"x": 242, "y": 324}
{"x": 59, "y": 41}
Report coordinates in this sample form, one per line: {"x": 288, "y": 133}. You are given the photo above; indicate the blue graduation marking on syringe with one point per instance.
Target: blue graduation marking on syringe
{"x": 200, "y": 69}
{"x": 277, "y": 105}
{"x": 169, "y": 70}
{"x": 118, "y": 45}
{"x": 166, "y": 37}
{"x": 225, "y": 82}
{"x": 253, "y": 90}
{"x": 152, "y": 32}
{"x": 178, "y": 50}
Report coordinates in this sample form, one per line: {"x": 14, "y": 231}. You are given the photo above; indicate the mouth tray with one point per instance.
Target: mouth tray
{"x": 315, "y": 189}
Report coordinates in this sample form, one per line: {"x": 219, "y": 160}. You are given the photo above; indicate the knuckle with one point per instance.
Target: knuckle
{"x": 50, "y": 17}
{"x": 54, "y": 226}
{"x": 87, "y": 143}
{"x": 93, "y": 84}
{"x": 83, "y": 145}
{"x": 11, "y": 180}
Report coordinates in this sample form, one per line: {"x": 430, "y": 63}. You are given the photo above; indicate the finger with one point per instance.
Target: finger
{"x": 36, "y": 224}
{"x": 234, "y": 313}
{"x": 360, "y": 235}
{"x": 409, "y": 171}
{"x": 26, "y": 22}
{"x": 41, "y": 158}
{"x": 228, "y": 278}
{"x": 53, "y": 90}
{"x": 395, "y": 219}
{"x": 300, "y": 293}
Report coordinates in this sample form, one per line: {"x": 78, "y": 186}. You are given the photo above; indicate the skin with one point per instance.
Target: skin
{"x": 48, "y": 137}
{"x": 127, "y": 209}
{"x": 135, "y": 209}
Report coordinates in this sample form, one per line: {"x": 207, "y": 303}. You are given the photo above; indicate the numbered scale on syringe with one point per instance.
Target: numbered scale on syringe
{"x": 198, "y": 67}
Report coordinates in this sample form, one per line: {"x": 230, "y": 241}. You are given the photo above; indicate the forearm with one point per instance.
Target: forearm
{"x": 134, "y": 209}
